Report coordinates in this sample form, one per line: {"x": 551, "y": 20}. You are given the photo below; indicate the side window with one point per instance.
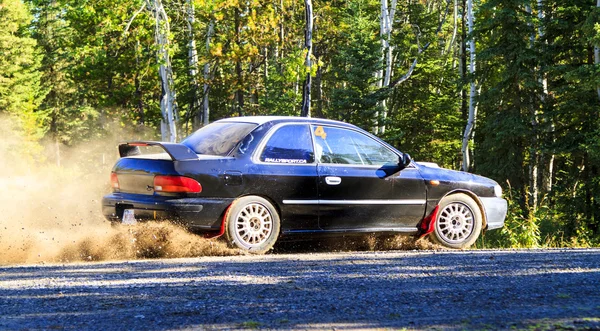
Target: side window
{"x": 342, "y": 146}
{"x": 289, "y": 144}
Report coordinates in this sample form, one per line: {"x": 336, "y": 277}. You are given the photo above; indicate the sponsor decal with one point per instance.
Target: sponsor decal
{"x": 292, "y": 161}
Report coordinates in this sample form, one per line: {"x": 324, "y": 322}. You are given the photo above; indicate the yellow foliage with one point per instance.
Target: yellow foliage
{"x": 217, "y": 50}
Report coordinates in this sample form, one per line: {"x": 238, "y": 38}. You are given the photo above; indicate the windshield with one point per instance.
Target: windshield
{"x": 218, "y": 138}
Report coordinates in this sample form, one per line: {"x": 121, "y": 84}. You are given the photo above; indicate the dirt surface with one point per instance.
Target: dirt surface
{"x": 535, "y": 290}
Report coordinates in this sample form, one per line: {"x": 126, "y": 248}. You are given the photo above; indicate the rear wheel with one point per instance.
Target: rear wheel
{"x": 252, "y": 224}
{"x": 458, "y": 222}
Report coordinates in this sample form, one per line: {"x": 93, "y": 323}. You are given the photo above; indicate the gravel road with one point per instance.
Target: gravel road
{"x": 533, "y": 289}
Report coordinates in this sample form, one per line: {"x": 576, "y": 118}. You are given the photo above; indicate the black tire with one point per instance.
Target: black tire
{"x": 252, "y": 225}
{"x": 458, "y": 222}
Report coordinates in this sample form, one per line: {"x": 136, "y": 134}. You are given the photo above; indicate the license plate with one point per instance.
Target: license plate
{"x": 129, "y": 217}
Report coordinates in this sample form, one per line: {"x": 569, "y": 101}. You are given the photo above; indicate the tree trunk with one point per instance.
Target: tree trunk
{"x": 449, "y": 52}
{"x": 167, "y": 102}
{"x": 162, "y": 31}
{"x": 239, "y": 94}
{"x": 534, "y": 157}
{"x": 206, "y": 76}
{"x": 472, "y": 106}
{"x": 138, "y": 87}
{"x": 194, "y": 109}
{"x": 379, "y": 73}
{"x": 547, "y": 178}
{"x": 386, "y": 25}
{"x": 266, "y": 64}
{"x": 597, "y": 53}
{"x": 386, "y": 89}
{"x": 462, "y": 63}
{"x": 281, "y": 31}
{"x": 305, "y": 110}
{"x": 388, "y": 62}
{"x": 319, "y": 91}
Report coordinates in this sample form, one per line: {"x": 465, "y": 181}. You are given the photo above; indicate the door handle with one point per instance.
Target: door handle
{"x": 330, "y": 180}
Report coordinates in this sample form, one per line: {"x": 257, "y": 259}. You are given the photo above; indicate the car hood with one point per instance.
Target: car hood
{"x": 442, "y": 174}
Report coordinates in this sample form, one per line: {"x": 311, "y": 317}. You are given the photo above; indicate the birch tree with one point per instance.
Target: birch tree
{"x": 305, "y": 110}
{"x": 468, "y": 134}
{"x": 534, "y": 157}
{"x": 167, "y": 101}
{"x": 194, "y": 107}
{"x": 543, "y": 80}
{"x": 202, "y": 115}
{"x": 206, "y": 87}
{"x": 162, "y": 31}
{"x": 385, "y": 87}
{"x": 385, "y": 75}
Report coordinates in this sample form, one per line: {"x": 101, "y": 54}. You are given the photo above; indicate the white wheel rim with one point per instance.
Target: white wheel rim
{"x": 455, "y": 223}
{"x": 253, "y": 225}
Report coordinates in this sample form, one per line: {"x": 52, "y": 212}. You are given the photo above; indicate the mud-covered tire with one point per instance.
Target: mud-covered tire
{"x": 252, "y": 225}
{"x": 458, "y": 222}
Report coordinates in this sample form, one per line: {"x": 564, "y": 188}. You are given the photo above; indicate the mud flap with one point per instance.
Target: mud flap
{"x": 223, "y": 224}
{"x": 428, "y": 223}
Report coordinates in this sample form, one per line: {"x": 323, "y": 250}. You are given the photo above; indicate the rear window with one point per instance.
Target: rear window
{"x": 218, "y": 138}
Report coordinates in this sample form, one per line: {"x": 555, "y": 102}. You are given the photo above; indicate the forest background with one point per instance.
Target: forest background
{"x": 508, "y": 90}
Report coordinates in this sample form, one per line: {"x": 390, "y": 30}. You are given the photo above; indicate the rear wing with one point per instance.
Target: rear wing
{"x": 177, "y": 152}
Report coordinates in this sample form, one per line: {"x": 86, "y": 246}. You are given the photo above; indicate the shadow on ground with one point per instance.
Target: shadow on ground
{"x": 543, "y": 290}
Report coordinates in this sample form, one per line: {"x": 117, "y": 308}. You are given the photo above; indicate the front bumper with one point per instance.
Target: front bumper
{"x": 495, "y": 212}
{"x": 197, "y": 213}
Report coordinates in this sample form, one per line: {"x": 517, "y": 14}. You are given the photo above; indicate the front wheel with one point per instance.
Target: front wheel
{"x": 252, "y": 224}
{"x": 458, "y": 222}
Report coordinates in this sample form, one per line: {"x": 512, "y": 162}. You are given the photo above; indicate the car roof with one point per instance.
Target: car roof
{"x": 283, "y": 119}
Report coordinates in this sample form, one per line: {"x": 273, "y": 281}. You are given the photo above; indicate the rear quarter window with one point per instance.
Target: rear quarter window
{"x": 290, "y": 144}
{"x": 218, "y": 138}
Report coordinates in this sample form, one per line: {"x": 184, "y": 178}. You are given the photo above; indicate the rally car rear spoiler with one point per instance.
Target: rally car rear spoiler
{"x": 177, "y": 152}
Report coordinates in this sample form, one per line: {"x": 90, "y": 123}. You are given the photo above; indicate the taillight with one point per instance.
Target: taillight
{"x": 176, "y": 184}
{"x": 114, "y": 180}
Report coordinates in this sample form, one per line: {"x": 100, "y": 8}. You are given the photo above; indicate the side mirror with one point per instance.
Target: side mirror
{"x": 404, "y": 160}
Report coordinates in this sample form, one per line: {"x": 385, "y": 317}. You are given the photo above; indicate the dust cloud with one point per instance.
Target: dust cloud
{"x": 50, "y": 207}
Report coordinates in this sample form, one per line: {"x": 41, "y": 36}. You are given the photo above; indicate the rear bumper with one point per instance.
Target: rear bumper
{"x": 495, "y": 212}
{"x": 196, "y": 213}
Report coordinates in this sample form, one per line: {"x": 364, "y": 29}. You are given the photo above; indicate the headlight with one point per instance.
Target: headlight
{"x": 498, "y": 191}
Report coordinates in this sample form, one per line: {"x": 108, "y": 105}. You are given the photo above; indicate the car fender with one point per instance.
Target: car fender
{"x": 474, "y": 197}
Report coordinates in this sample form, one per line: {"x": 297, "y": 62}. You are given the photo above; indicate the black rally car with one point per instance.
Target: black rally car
{"x": 256, "y": 179}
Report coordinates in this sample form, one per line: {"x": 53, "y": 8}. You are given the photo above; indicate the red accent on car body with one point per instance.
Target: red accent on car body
{"x": 428, "y": 223}
{"x": 222, "y": 229}
{"x": 137, "y": 144}
{"x": 176, "y": 184}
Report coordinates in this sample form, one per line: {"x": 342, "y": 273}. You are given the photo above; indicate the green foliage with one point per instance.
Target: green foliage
{"x": 425, "y": 115}
{"x": 280, "y": 95}
{"x": 353, "y": 65}
{"x": 521, "y": 228}
{"x": 20, "y": 93}
{"x": 523, "y": 126}
{"x": 68, "y": 71}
